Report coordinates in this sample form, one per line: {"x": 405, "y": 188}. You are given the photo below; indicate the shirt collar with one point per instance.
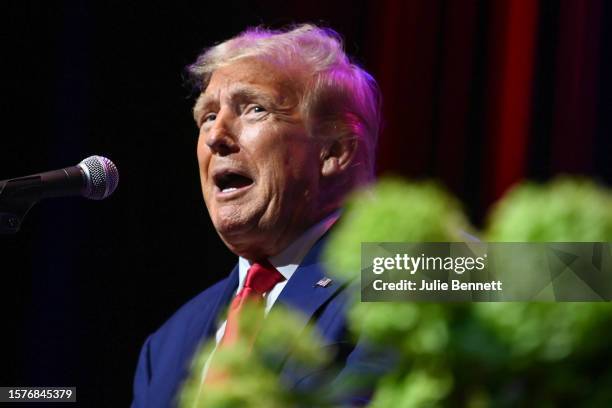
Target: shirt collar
{"x": 288, "y": 260}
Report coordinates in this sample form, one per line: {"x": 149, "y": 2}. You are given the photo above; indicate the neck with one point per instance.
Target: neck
{"x": 278, "y": 241}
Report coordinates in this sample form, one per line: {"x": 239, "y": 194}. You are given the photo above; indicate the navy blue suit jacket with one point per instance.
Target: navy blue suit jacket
{"x": 166, "y": 355}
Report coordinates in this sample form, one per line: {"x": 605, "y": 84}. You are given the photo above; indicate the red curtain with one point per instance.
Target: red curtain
{"x": 466, "y": 94}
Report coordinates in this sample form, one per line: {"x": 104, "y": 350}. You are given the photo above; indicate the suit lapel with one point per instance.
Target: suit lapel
{"x": 302, "y": 292}
{"x": 304, "y": 295}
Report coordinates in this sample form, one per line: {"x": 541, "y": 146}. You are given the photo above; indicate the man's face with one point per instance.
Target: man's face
{"x": 258, "y": 167}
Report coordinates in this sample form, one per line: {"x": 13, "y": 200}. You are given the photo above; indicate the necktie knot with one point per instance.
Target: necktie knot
{"x": 262, "y": 277}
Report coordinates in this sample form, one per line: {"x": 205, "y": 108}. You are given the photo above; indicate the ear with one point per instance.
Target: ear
{"x": 338, "y": 155}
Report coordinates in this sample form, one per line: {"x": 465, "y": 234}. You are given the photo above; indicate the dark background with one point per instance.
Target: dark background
{"x": 477, "y": 94}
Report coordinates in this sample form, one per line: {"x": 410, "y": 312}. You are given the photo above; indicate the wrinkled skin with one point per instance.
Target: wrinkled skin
{"x": 251, "y": 124}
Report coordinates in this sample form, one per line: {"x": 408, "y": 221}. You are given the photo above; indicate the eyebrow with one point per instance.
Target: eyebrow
{"x": 238, "y": 94}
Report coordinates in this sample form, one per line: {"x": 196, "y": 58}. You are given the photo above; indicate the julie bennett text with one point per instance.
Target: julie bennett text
{"x": 436, "y": 285}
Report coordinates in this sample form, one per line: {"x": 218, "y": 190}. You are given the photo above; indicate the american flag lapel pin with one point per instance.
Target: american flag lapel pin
{"x": 325, "y": 282}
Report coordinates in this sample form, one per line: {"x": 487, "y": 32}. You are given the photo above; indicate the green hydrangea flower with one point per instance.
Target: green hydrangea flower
{"x": 565, "y": 210}
{"x": 393, "y": 210}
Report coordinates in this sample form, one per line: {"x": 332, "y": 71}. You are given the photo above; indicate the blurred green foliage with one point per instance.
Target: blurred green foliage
{"x": 568, "y": 209}
{"x": 245, "y": 374}
{"x": 394, "y": 211}
{"x": 464, "y": 354}
{"x": 484, "y": 354}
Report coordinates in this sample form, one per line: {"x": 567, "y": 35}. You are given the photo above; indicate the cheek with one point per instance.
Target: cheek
{"x": 203, "y": 154}
{"x": 199, "y": 146}
{"x": 282, "y": 153}
{"x": 301, "y": 160}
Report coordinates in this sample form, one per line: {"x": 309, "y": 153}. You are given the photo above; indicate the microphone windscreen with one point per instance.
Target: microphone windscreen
{"x": 101, "y": 177}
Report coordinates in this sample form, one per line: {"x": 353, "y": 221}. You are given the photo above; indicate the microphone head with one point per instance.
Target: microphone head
{"x": 101, "y": 177}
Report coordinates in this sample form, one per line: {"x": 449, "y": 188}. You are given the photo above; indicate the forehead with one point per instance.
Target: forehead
{"x": 255, "y": 75}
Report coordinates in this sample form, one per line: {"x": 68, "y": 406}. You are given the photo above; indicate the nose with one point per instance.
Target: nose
{"x": 220, "y": 138}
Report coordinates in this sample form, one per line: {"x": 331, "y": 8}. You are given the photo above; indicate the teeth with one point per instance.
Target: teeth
{"x": 229, "y": 189}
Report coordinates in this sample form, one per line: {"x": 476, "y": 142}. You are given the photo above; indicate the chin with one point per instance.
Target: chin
{"x": 232, "y": 229}
{"x": 228, "y": 228}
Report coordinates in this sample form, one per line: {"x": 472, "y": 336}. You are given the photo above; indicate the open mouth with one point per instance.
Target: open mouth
{"x": 229, "y": 181}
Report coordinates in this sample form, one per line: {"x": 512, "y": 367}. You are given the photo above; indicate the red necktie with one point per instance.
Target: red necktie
{"x": 261, "y": 278}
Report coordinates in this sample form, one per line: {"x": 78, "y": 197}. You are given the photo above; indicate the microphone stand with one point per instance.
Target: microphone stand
{"x": 12, "y": 214}
{"x": 13, "y": 209}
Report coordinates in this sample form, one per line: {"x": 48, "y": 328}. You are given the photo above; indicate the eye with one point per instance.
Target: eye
{"x": 209, "y": 117}
{"x": 255, "y": 109}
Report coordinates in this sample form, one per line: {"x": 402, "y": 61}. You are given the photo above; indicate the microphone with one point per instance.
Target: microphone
{"x": 95, "y": 178}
